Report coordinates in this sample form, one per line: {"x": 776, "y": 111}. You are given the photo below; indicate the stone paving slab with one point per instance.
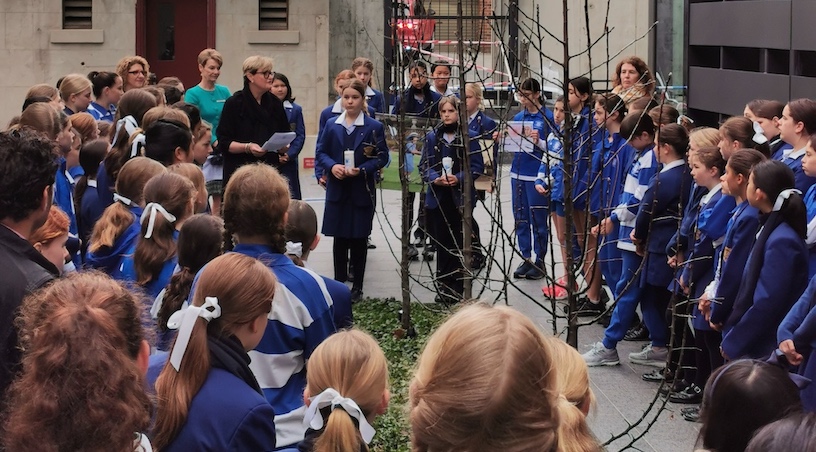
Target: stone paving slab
{"x": 621, "y": 394}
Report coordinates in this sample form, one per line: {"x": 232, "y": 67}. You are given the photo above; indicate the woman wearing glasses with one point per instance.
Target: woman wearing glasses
{"x": 133, "y": 70}
{"x": 249, "y": 118}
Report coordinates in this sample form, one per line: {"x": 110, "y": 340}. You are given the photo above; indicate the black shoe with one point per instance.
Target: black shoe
{"x": 350, "y": 273}
{"x": 420, "y": 242}
{"x": 658, "y": 375}
{"x": 605, "y": 320}
{"x": 637, "y": 333}
{"x": 691, "y": 394}
{"x": 536, "y": 271}
{"x": 428, "y": 254}
{"x": 370, "y": 244}
{"x": 691, "y": 414}
{"x": 522, "y": 270}
{"x": 356, "y": 295}
{"x": 413, "y": 253}
{"x": 674, "y": 388}
{"x": 587, "y": 308}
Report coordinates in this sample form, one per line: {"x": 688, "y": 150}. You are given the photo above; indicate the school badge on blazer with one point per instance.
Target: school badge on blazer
{"x": 726, "y": 253}
{"x": 370, "y": 151}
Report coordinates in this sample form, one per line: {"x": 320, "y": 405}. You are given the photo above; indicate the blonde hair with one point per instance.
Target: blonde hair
{"x": 476, "y": 91}
{"x": 352, "y": 363}
{"x": 704, "y": 137}
{"x": 124, "y": 65}
{"x": 210, "y": 54}
{"x": 485, "y": 381}
{"x": 257, "y": 63}
{"x": 572, "y": 376}
{"x": 202, "y": 129}
{"x": 43, "y": 90}
{"x": 73, "y": 84}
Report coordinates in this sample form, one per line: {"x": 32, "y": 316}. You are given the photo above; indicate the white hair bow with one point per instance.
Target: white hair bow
{"x": 130, "y": 125}
{"x": 759, "y": 134}
{"x": 137, "y": 144}
{"x": 295, "y": 248}
{"x": 150, "y": 212}
{"x": 330, "y": 397}
{"x": 122, "y": 199}
{"x": 184, "y": 320}
{"x": 783, "y": 195}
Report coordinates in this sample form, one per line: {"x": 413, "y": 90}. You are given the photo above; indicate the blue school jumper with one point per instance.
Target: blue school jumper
{"x": 332, "y": 111}
{"x": 793, "y": 159}
{"x": 551, "y": 171}
{"x": 582, "y": 157}
{"x": 613, "y": 160}
{"x": 101, "y": 113}
{"x": 743, "y": 225}
{"x": 350, "y": 202}
{"x": 772, "y": 281}
{"x": 657, "y": 220}
{"x": 89, "y": 212}
{"x": 778, "y": 148}
{"x": 435, "y": 149}
{"x": 425, "y": 108}
{"x": 810, "y": 240}
{"x": 294, "y": 113}
{"x": 699, "y": 270}
{"x": 127, "y": 271}
{"x": 64, "y": 191}
{"x": 799, "y": 325}
{"x": 300, "y": 320}
{"x": 108, "y": 259}
{"x": 375, "y": 100}
{"x": 530, "y": 209}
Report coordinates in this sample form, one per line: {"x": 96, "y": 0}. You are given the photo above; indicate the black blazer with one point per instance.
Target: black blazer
{"x": 244, "y": 120}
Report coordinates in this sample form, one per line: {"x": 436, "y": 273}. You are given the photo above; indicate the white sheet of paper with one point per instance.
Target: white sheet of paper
{"x": 278, "y": 140}
{"x": 515, "y": 140}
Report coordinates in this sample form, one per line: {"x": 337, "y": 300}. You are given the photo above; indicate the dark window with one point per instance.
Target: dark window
{"x": 76, "y": 14}
{"x": 273, "y": 15}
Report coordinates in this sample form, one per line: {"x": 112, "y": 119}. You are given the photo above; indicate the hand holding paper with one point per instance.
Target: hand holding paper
{"x": 278, "y": 140}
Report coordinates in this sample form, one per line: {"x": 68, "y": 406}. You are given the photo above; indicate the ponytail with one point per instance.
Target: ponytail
{"x": 775, "y": 178}
{"x": 168, "y": 199}
{"x": 340, "y": 433}
{"x": 574, "y": 434}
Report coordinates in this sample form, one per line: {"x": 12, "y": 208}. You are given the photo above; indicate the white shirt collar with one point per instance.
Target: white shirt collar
{"x": 707, "y": 197}
{"x": 473, "y": 116}
{"x": 673, "y": 164}
{"x": 338, "y": 106}
{"x": 793, "y": 155}
{"x": 360, "y": 121}
{"x": 369, "y": 91}
{"x": 448, "y": 91}
{"x": 92, "y": 183}
{"x": 287, "y": 104}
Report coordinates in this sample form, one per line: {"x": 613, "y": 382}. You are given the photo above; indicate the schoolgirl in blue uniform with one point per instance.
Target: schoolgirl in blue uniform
{"x": 364, "y": 69}
{"x": 445, "y": 195}
{"x": 772, "y": 280}
{"x": 707, "y": 167}
{"x": 656, "y": 222}
{"x": 798, "y": 122}
{"x": 350, "y": 191}
{"x": 208, "y": 398}
{"x": 115, "y": 233}
{"x": 766, "y": 114}
{"x": 530, "y": 209}
{"x": 294, "y": 112}
{"x": 796, "y": 336}
{"x": 717, "y": 301}
{"x": 151, "y": 260}
{"x": 809, "y": 168}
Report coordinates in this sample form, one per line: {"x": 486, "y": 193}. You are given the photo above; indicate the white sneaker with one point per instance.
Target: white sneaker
{"x": 650, "y": 356}
{"x": 599, "y": 355}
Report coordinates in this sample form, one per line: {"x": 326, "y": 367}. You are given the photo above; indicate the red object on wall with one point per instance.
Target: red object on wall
{"x": 308, "y": 162}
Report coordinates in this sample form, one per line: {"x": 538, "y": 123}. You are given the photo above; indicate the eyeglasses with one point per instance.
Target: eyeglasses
{"x": 266, "y": 74}
{"x": 137, "y": 72}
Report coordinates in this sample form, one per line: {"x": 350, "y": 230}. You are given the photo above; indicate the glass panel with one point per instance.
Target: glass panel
{"x": 166, "y": 42}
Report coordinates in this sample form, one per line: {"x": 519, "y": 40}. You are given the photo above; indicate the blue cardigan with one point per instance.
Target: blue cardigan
{"x": 800, "y": 327}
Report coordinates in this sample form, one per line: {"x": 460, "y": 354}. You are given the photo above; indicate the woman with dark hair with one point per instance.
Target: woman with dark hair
{"x": 741, "y": 397}
{"x": 632, "y": 79}
{"x": 249, "y": 118}
{"x": 294, "y": 113}
{"x": 107, "y": 89}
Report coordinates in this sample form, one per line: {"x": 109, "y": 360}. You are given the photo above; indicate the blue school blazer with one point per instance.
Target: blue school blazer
{"x": 658, "y": 219}
{"x": 434, "y": 151}
{"x": 750, "y": 331}
{"x": 226, "y": 414}
{"x": 368, "y": 139}
{"x": 800, "y": 327}
{"x": 737, "y": 244}
{"x": 328, "y": 113}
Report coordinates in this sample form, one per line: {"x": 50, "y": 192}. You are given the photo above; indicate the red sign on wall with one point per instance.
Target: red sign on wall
{"x": 308, "y": 162}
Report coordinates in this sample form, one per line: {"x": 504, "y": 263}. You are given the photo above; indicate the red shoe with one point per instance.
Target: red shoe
{"x": 557, "y": 291}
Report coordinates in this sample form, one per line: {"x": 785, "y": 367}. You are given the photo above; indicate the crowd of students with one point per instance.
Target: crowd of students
{"x": 150, "y": 242}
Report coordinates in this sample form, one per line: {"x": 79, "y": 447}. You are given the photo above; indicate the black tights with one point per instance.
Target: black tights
{"x": 359, "y": 253}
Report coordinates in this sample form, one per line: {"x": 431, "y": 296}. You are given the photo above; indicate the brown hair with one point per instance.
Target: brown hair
{"x": 157, "y": 92}
{"x": 741, "y": 130}
{"x": 43, "y": 118}
{"x": 301, "y": 227}
{"x": 345, "y": 74}
{"x": 804, "y": 111}
{"x": 173, "y": 192}
{"x": 136, "y": 103}
{"x": 675, "y": 136}
{"x": 767, "y": 109}
{"x": 743, "y": 160}
{"x": 711, "y": 157}
{"x": 117, "y": 217}
{"x": 485, "y": 381}
{"x": 42, "y": 90}
{"x": 352, "y": 363}
{"x": 646, "y": 78}
{"x": 572, "y": 376}
{"x": 123, "y": 66}
{"x": 612, "y": 103}
{"x": 86, "y": 125}
{"x": 193, "y": 172}
{"x": 164, "y": 112}
{"x": 56, "y": 225}
{"x": 90, "y": 156}
{"x": 199, "y": 242}
{"x": 76, "y": 333}
{"x": 664, "y": 114}
{"x": 364, "y": 62}
{"x": 642, "y": 103}
{"x": 244, "y": 287}
{"x": 210, "y": 54}
{"x": 255, "y": 202}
